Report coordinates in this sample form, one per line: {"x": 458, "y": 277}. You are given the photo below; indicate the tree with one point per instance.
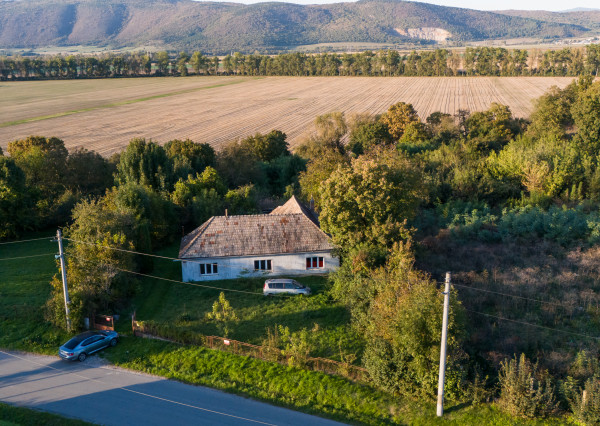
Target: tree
{"x": 525, "y": 391}
{"x": 586, "y": 114}
{"x": 267, "y": 147}
{"x": 397, "y": 117}
{"x": 188, "y": 157}
{"x": 222, "y": 314}
{"x": 43, "y": 160}
{"x": 182, "y": 62}
{"x": 398, "y": 310}
{"x": 364, "y": 136}
{"x": 369, "y": 200}
{"x": 201, "y": 196}
{"x": 15, "y": 203}
{"x": 239, "y": 166}
{"x": 144, "y": 163}
{"x": 162, "y": 62}
{"x": 318, "y": 170}
{"x": 97, "y": 282}
{"x": 88, "y": 173}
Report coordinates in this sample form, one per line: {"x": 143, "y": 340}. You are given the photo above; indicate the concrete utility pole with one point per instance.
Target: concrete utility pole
{"x": 440, "y": 399}
{"x": 63, "y": 272}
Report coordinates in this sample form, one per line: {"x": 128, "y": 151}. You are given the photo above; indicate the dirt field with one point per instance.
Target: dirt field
{"x": 103, "y": 115}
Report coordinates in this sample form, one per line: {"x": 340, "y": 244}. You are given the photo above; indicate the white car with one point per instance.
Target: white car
{"x": 284, "y": 286}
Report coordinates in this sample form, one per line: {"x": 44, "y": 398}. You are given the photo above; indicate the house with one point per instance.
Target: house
{"x": 288, "y": 241}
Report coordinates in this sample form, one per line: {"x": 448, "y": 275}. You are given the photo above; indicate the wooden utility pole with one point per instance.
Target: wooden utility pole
{"x": 440, "y": 399}
{"x": 63, "y": 272}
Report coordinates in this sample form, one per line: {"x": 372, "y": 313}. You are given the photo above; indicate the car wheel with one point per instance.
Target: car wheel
{"x": 82, "y": 356}
{"x": 113, "y": 343}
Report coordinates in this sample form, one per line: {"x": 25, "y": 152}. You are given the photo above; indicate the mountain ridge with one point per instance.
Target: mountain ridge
{"x": 220, "y": 27}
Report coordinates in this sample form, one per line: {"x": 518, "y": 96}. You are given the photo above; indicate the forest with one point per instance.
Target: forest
{"x": 474, "y": 61}
{"x": 509, "y": 206}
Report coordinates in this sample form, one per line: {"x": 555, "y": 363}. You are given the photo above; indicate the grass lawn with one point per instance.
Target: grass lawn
{"x": 24, "y": 289}
{"x": 185, "y": 307}
{"x": 11, "y": 415}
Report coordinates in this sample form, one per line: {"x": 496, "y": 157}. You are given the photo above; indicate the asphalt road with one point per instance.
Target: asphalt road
{"x": 112, "y": 396}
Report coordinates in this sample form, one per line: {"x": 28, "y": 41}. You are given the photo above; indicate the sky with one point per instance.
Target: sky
{"x": 553, "y": 5}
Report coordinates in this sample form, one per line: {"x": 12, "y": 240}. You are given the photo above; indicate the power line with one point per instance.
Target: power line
{"x": 511, "y": 295}
{"x": 192, "y": 284}
{"x": 26, "y": 241}
{"x": 26, "y": 257}
{"x": 152, "y": 255}
{"x": 534, "y": 325}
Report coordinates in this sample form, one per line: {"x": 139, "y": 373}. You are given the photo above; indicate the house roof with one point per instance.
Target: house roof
{"x": 293, "y": 206}
{"x": 254, "y": 235}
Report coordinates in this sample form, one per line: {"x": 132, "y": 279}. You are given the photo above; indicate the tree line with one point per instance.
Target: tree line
{"x": 474, "y": 61}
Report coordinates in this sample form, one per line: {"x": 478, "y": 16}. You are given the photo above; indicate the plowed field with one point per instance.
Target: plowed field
{"x": 103, "y": 115}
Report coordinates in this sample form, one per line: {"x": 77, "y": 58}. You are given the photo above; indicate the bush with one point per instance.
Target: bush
{"x": 585, "y": 404}
{"x": 525, "y": 391}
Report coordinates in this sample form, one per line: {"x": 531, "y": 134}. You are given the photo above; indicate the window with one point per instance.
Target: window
{"x": 263, "y": 265}
{"x": 209, "y": 269}
{"x": 314, "y": 262}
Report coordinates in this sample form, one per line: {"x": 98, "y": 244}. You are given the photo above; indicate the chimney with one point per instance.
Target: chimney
{"x": 312, "y": 203}
{"x": 226, "y": 215}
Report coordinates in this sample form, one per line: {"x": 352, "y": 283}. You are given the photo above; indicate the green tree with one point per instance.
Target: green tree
{"x": 188, "y": 157}
{"x": 239, "y": 166}
{"x": 15, "y": 203}
{"x": 370, "y": 200}
{"x": 267, "y": 147}
{"x": 88, "y": 173}
{"x": 222, "y": 314}
{"x": 586, "y": 114}
{"x": 144, "y": 163}
{"x": 182, "y": 62}
{"x": 397, "y": 117}
{"x": 525, "y": 391}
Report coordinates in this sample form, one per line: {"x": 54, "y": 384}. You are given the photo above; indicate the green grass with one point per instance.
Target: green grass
{"x": 307, "y": 391}
{"x": 11, "y": 415}
{"x": 24, "y": 289}
{"x": 185, "y": 307}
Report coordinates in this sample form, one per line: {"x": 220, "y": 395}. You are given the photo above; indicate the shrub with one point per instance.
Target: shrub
{"x": 525, "y": 391}
{"x": 585, "y": 404}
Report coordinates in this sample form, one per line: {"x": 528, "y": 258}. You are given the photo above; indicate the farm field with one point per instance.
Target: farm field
{"x": 103, "y": 115}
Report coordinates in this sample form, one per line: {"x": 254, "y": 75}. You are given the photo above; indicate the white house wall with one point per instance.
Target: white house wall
{"x": 237, "y": 267}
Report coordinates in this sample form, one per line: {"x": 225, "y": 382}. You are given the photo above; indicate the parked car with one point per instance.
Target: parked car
{"x": 84, "y": 344}
{"x": 284, "y": 286}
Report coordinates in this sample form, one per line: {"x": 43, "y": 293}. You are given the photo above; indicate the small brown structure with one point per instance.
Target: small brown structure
{"x": 103, "y": 322}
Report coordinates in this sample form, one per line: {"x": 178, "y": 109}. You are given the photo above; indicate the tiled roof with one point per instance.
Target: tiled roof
{"x": 254, "y": 235}
{"x": 293, "y": 206}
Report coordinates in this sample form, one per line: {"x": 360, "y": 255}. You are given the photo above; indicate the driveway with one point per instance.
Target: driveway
{"x": 109, "y": 395}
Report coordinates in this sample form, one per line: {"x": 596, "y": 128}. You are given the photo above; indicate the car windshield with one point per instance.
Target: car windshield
{"x": 299, "y": 285}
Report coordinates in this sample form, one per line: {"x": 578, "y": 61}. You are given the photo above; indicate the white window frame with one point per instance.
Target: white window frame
{"x": 213, "y": 267}
{"x": 263, "y": 265}
{"x": 314, "y": 262}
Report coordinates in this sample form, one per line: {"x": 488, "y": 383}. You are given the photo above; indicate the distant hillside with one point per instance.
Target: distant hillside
{"x": 221, "y": 27}
{"x": 584, "y": 18}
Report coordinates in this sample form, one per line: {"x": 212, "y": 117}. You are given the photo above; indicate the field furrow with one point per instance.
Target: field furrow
{"x": 104, "y": 115}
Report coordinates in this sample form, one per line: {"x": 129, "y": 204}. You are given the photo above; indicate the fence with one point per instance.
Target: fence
{"x": 265, "y": 353}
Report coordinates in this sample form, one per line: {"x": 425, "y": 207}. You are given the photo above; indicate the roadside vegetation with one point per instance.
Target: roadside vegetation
{"x": 21, "y": 416}
{"x": 509, "y": 206}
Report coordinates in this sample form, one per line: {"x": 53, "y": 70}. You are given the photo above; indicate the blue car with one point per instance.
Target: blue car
{"x": 84, "y": 344}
